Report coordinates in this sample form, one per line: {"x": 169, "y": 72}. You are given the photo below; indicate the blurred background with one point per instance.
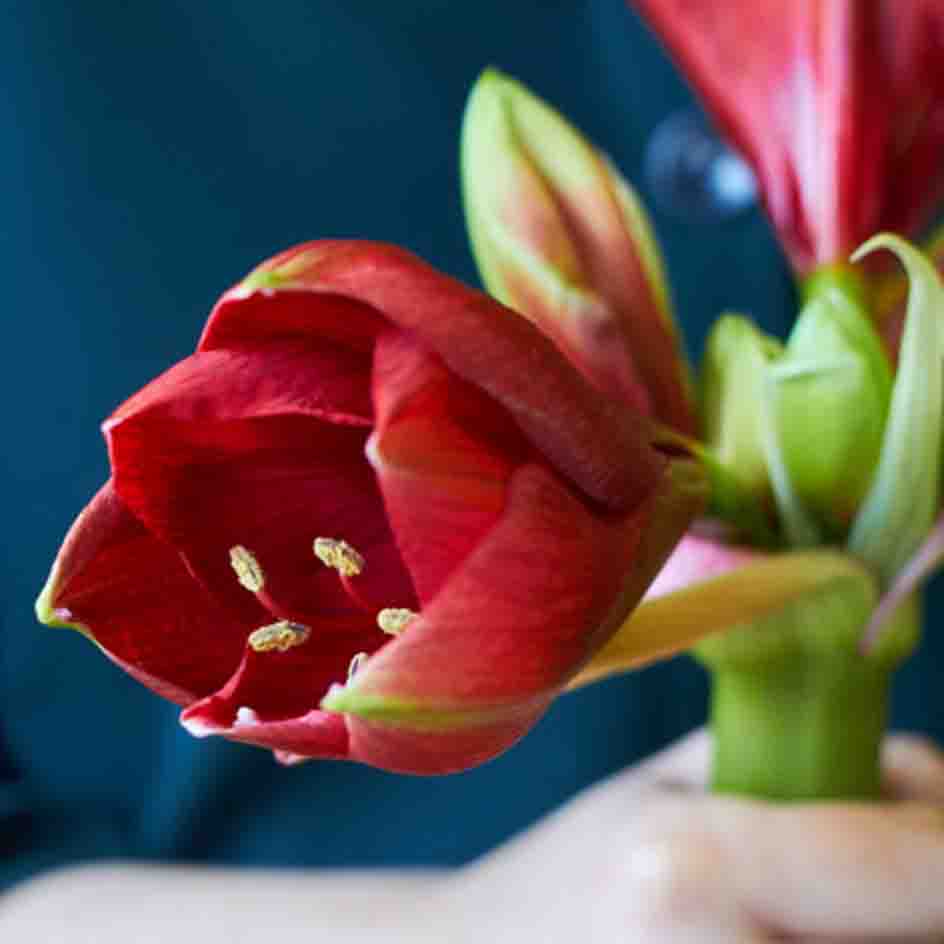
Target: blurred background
{"x": 155, "y": 152}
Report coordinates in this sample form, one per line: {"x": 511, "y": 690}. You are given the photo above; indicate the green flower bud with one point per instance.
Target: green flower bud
{"x": 734, "y": 373}
{"x": 831, "y": 392}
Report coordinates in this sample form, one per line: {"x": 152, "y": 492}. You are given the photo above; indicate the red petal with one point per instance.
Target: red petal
{"x": 282, "y": 686}
{"x": 230, "y": 448}
{"x": 405, "y": 750}
{"x": 913, "y": 36}
{"x": 443, "y": 452}
{"x": 282, "y": 691}
{"x": 798, "y": 86}
{"x": 133, "y": 594}
{"x": 525, "y": 609}
{"x": 543, "y": 590}
{"x": 595, "y": 442}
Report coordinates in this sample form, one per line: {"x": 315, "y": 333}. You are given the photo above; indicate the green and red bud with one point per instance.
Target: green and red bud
{"x": 559, "y": 236}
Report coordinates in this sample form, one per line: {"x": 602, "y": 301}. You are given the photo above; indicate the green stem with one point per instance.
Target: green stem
{"x": 798, "y": 711}
{"x": 802, "y": 730}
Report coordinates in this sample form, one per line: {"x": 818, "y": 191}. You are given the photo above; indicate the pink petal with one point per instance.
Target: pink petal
{"x": 921, "y": 566}
{"x": 696, "y": 559}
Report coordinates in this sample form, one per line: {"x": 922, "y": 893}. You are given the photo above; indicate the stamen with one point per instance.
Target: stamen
{"x": 282, "y": 636}
{"x": 395, "y": 619}
{"x": 247, "y": 568}
{"x": 356, "y": 663}
{"x": 340, "y": 556}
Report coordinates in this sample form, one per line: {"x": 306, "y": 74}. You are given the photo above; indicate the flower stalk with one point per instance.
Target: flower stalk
{"x": 798, "y": 712}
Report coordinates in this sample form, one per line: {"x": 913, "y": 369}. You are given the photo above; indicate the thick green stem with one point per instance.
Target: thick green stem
{"x": 798, "y": 711}
{"x": 802, "y": 730}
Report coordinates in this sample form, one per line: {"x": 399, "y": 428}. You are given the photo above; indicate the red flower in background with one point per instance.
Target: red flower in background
{"x": 837, "y": 104}
{"x": 375, "y": 516}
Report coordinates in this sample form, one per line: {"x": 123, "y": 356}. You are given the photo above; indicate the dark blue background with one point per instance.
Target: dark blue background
{"x": 154, "y": 152}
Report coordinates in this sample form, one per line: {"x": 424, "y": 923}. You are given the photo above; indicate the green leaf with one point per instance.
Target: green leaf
{"x": 901, "y": 504}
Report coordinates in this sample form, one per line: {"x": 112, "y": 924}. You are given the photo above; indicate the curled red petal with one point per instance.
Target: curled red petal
{"x": 594, "y": 441}
{"x": 543, "y": 590}
{"x": 443, "y": 452}
{"x": 133, "y": 595}
{"x": 525, "y": 609}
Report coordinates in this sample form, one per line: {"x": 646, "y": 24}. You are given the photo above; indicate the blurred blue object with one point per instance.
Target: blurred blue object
{"x": 693, "y": 174}
{"x": 152, "y": 154}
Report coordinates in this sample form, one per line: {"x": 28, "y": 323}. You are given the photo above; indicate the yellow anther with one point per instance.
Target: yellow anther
{"x": 339, "y": 555}
{"x": 247, "y": 568}
{"x": 395, "y": 620}
{"x": 282, "y": 636}
{"x": 356, "y": 663}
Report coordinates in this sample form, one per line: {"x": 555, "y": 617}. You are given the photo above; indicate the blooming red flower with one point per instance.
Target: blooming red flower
{"x": 368, "y": 466}
{"x": 838, "y": 104}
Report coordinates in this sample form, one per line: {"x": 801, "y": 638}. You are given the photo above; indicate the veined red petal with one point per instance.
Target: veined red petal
{"x": 595, "y": 442}
{"x": 133, "y": 595}
{"x": 233, "y": 448}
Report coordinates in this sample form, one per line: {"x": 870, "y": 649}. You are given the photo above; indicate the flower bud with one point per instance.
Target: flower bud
{"x": 831, "y": 392}
{"x": 560, "y": 237}
{"x": 737, "y": 355}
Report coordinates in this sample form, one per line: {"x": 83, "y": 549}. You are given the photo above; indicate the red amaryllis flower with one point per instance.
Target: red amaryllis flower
{"x": 838, "y": 104}
{"x": 376, "y": 516}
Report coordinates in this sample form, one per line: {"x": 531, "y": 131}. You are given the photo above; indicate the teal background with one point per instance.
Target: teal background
{"x": 154, "y": 152}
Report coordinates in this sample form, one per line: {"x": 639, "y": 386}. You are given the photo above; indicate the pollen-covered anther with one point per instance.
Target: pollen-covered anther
{"x": 280, "y": 636}
{"x": 340, "y": 556}
{"x": 248, "y": 570}
{"x": 356, "y": 664}
{"x": 395, "y": 619}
